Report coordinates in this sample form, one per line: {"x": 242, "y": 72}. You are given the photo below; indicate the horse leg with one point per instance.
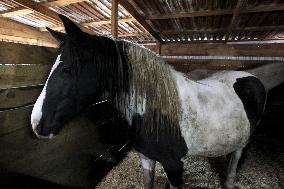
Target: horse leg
{"x": 148, "y": 171}
{"x": 232, "y": 168}
{"x": 174, "y": 171}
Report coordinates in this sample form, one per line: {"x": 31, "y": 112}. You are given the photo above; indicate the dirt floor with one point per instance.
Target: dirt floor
{"x": 260, "y": 168}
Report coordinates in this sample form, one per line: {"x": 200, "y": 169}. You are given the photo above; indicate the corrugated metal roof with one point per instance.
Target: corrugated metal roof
{"x": 172, "y": 20}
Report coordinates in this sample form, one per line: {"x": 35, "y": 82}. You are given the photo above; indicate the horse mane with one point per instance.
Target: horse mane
{"x": 151, "y": 79}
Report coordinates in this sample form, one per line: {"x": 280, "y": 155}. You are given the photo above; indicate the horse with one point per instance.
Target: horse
{"x": 172, "y": 115}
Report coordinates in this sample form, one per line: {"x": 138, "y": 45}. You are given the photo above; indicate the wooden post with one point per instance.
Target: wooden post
{"x": 158, "y": 47}
{"x": 114, "y": 18}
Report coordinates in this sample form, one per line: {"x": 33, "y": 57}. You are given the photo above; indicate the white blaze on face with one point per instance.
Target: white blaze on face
{"x": 37, "y": 110}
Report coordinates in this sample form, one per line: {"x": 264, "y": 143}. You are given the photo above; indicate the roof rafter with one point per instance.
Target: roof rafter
{"x": 234, "y": 19}
{"x": 127, "y": 6}
{"x": 37, "y": 7}
{"x": 62, "y": 2}
{"x": 15, "y": 12}
{"x": 92, "y": 23}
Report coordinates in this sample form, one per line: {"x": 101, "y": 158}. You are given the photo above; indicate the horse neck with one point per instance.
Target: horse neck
{"x": 151, "y": 87}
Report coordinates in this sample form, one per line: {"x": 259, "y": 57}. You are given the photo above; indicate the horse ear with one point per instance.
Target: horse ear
{"x": 60, "y": 37}
{"x": 71, "y": 28}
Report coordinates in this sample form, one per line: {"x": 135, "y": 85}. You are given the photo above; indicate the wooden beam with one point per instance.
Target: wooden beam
{"x": 102, "y": 22}
{"x": 262, "y": 8}
{"x": 114, "y": 19}
{"x": 15, "y": 12}
{"x": 158, "y": 48}
{"x": 220, "y": 30}
{"x": 133, "y": 34}
{"x": 92, "y": 23}
{"x": 17, "y": 97}
{"x": 190, "y": 14}
{"x": 234, "y": 19}
{"x": 219, "y": 63}
{"x": 62, "y": 2}
{"x": 37, "y": 7}
{"x": 21, "y": 75}
{"x": 11, "y": 53}
{"x": 127, "y": 6}
{"x": 13, "y": 31}
{"x": 218, "y": 49}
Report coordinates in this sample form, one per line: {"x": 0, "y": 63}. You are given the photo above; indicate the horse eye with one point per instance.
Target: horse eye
{"x": 66, "y": 69}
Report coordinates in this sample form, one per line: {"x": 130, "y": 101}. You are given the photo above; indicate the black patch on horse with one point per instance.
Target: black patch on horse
{"x": 253, "y": 95}
{"x": 161, "y": 145}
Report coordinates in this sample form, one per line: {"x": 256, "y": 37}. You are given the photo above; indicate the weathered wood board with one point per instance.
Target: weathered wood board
{"x": 19, "y": 96}
{"x": 21, "y": 33}
{"x": 13, "y": 120}
{"x": 71, "y": 158}
{"x": 23, "y": 75}
{"x": 13, "y": 53}
{"x": 203, "y": 49}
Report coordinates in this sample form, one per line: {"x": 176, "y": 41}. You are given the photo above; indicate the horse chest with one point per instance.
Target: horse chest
{"x": 213, "y": 120}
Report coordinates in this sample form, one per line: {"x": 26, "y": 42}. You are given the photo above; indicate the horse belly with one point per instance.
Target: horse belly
{"x": 218, "y": 141}
{"x": 217, "y": 123}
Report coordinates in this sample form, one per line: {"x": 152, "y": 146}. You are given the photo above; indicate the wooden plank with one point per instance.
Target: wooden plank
{"x": 75, "y": 150}
{"x": 102, "y": 22}
{"x": 214, "y": 63}
{"x": 11, "y": 121}
{"x": 40, "y": 8}
{"x": 190, "y": 14}
{"x": 62, "y": 2}
{"x": 37, "y": 7}
{"x": 139, "y": 18}
{"x": 205, "y": 49}
{"x": 12, "y": 53}
{"x": 114, "y": 18}
{"x": 190, "y": 67}
{"x": 23, "y": 75}
{"x": 19, "y": 96}
{"x": 133, "y": 34}
{"x": 16, "y": 32}
{"x": 220, "y": 30}
{"x": 261, "y": 8}
{"x": 15, "y": 12}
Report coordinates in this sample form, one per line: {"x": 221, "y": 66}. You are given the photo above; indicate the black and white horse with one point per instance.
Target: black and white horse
{"x": 173, "y": 116}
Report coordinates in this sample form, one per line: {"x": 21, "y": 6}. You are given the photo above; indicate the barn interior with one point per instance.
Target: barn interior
{"x": 197, "y": 37}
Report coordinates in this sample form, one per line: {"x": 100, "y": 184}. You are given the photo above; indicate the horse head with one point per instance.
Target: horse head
{"x": 72, "y": 84}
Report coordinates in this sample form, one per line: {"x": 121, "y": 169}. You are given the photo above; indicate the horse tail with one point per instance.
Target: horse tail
{"x": 270, "y": 75}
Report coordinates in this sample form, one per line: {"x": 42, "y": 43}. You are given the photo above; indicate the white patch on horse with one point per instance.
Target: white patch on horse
{"x": 37, "y": 110}
{"x": 130, "y": 107}
{"x": 214, "y": 121}
{"x": 147, "y": 163}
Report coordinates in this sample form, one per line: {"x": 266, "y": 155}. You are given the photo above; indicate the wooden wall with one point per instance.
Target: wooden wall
{"x": 77, "y": 157}
{"x": 256, "y": 54}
